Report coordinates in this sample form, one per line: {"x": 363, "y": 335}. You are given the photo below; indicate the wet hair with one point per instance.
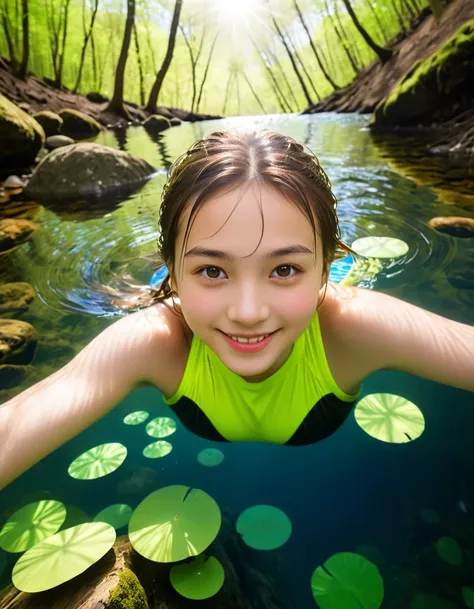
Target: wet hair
{"x": 226, "y": 160}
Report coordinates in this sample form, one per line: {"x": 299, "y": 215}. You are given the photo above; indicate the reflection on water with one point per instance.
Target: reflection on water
{"x": 348, "y": 493}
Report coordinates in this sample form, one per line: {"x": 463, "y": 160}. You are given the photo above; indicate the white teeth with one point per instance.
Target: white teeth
{"x": 257, "y": 339}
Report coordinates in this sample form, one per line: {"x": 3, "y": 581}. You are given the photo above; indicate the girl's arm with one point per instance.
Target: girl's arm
{"x": 131, "y": 351}
{"x": 387, "y": 333}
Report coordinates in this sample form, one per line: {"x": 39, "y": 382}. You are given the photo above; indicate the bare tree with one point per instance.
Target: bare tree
{"x": 193, "y": 56}
{"x": 87, "y": 35}
{"x": 293, "y": 62}
{"x": 116, "y": 103}
{"x": 160, "y": 77}
{"x": 140, "y": 65}
{"x": 204, "y": 78}
{"x": 249, "y": 84}
{"x": 26, "y": 40}
{"x": 284, "y": 106}
{"x": 383, "y": 53}
{"x": 315, "y": 52}
{"x": 6, "y": 23}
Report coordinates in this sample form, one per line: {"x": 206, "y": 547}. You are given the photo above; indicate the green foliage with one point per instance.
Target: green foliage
{"x": 128, "y": 593}
{"x": 234, "y": 50}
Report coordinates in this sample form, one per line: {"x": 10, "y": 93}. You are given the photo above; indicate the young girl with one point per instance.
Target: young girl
{"x": 245, "y": 338}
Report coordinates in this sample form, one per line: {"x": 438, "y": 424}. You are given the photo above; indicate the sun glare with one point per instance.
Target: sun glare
{"x": 229, "y": 10}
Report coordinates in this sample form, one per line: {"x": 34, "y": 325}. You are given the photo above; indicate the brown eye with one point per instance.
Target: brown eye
{"x": 212, "y": 272}
{"x": 284, "y": 270}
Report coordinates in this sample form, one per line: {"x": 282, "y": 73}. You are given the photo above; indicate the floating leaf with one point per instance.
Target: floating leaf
{"x": 157, "y": 449}
{"x": 340, "y": 269}
{"x": 210, "y": 457}
{"x": 31, "y": 524}
{"x": 161, "y": 427}
{"x": 428, "y": 515}
{"x": 264, "y": 527}
{"x": 117, "y": 515}
{"x": 449, "y": 550}
{"x": 174, "y": 523}
{"x": 63, "y": 556}
{"x": 137, "y": 417}
{"x": 389, "y": 418}
{"x": 348, "y": 581}
{"x": 199, "y": 579}
{"x": 380, "y": 247}
{"x": 98, "y": 461}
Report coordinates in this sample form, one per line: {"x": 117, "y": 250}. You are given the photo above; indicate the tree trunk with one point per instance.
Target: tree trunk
{"x": 11, "y": 48}
{"x": 227, "y": 91}
{"x": 284, "y": 106}
{"x": 378, "y": 21}
{"x": 155, "y": 91}
{"x": 341, "y": 40}
{"x": 84, "y": 46}
{"x": 253, "y": 91}
{"x": 62, "y": 51}
{"x": 315, "y": 52}
{"x": 293, "y": 63}
{"x": 140, "y": 65}
{"x": 94, "y": 61}
{"x": 300, "y": 61}
{"x": 204, "y": 78}
{"x": 383, "y": 53}
{"x": 116, "y": 103}
{"x": 193, "y": 66}
{"x": 26, "y": 40}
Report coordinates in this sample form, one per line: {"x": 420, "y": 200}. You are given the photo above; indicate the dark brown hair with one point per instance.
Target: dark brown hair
{"x": 225, "y": 160}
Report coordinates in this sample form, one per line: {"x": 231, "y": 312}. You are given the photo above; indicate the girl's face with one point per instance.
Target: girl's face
{"x": 228, "y": 286}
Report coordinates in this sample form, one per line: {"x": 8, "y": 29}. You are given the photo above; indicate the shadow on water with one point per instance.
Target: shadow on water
{"x": 349, "y": 493}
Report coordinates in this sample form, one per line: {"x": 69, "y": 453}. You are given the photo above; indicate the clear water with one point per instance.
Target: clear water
{"x": 349, "y": 493}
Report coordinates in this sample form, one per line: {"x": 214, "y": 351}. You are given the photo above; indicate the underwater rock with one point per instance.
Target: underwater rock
{"x": 86, "y": 170}
{"x": 16, "y": 297}
{"x": 432, "y": 86}
{"x": 11, "y": 376}
{"x": 156, "y": 123}
{"x": 58, "y": 141}
{"x": 78, "y": 125}
{"x": 21, "y": 136}
{"x": 50, "y": 122}
{"x": 454, "y": 225}
{"x": 14, "y": 231}
{"x": 13, "y": 182}
{"x": 17, "y": 341}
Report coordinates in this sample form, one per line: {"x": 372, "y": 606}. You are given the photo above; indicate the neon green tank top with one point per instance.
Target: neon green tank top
{"x": 299, "y": 404}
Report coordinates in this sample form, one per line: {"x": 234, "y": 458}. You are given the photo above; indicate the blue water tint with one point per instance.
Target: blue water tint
{"x": 346, "y": 493}
{"x": 340, "y": 269}
{"x": 158, "y": 276}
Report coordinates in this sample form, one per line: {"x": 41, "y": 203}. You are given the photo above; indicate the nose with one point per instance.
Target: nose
{"x": 248, "y": 306}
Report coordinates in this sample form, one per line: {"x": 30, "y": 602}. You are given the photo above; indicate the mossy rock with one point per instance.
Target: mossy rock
{"x": 14, "y": 231}
{"x": 78, "y": 125}
{"x": 17, "y": 341}
{"x": 50, "y": 122}
{"x": 21, "y": 136}
{"x": 86, "y": 170}
{"x": 16, "y": 297}
{"x": 430, "y": 85}
{"x": 128, "y": 593}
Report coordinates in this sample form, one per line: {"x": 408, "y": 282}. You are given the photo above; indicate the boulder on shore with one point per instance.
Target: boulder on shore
{"x": 78, "y": 125}
{"x": 21, "y": 136}
{"x": 156, "y": 123}
{"x": 86, "y": 170}
{"x": 434, "y": 89}
{"x": 50, "y": 122}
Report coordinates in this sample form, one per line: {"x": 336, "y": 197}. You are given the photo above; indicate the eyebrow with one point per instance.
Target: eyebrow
{"x": 278, "y": 253}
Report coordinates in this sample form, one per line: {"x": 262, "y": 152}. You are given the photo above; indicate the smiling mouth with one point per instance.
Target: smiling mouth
{"x": 248, "y": 340}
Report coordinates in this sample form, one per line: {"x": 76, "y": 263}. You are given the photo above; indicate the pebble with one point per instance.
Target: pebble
{"x": 57, "y": 141}
{"x": 13, "y": 182}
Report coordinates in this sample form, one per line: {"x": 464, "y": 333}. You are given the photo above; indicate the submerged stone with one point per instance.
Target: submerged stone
{"x": 86, "y": 169}
{"x": 456, "y": 226}
{"x": 17, "y": 342}
{"x": 14, "y": 231}
{"x": 16, "y": 297}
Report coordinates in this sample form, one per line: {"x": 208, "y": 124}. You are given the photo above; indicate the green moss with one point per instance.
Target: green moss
{"x": 128, "y": 593}
{"x": 430, "y": 83}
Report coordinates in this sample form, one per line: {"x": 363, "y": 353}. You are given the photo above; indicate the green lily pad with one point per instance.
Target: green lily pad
{"x": 174, "y": 523}
{"x": 157, "y": 449}
{"x": 449, "y": 550}
{"x": 389, "y": 418}
{"x": 117, "y": 515}
{"x": 468, "y": 596}
{"x": 161, "y": 427}
{"x": 429, "y": 601}
{"x": 137, "y": 417}
{"x": 264, "y": 527}
{"x": 380, "y": 247}
{"x": 428, "y": 515}
{"x": 199, "y": 579}
{"x": 31, "y": 524}
{"x": 98, "y": 461}
{"x": 210, "y": 457}
{"x": 63, "y": 556}
{"x": 348, "y": 581}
